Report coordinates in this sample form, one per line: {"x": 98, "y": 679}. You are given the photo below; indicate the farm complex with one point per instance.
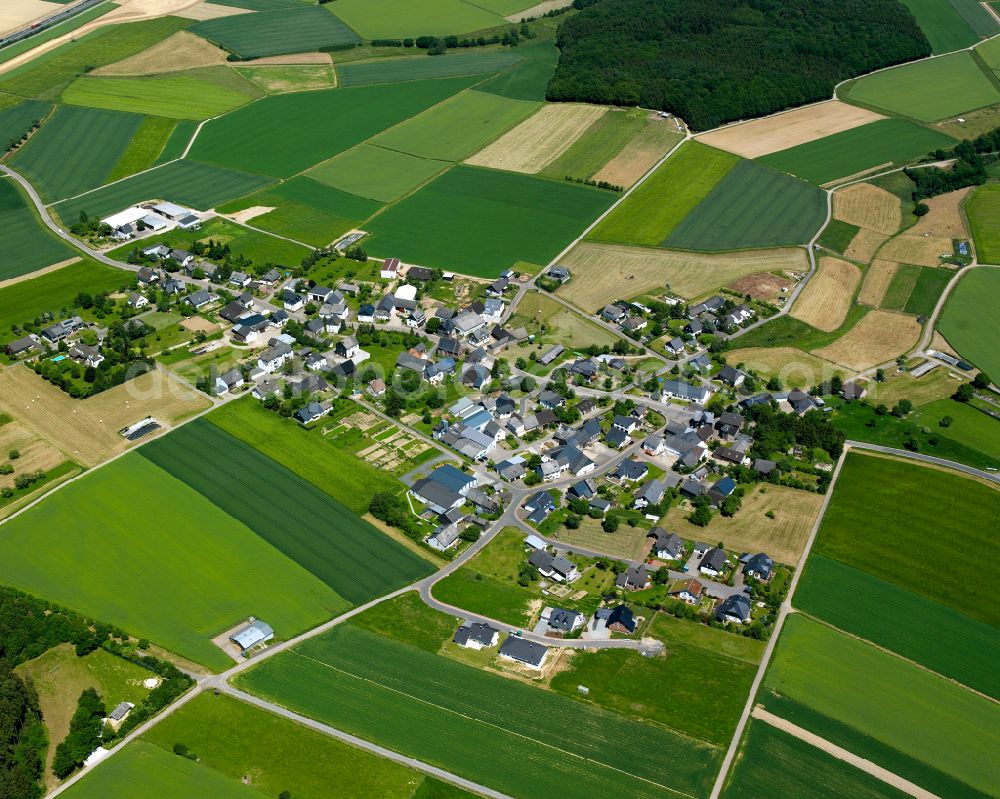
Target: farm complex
{"x": 443, "y": 399}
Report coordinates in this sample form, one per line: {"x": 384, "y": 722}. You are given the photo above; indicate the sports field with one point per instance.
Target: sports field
{"x": 175, "y": 96}
{"x": 306, "y": 524}
{"x": 457, "y": 127}
{"x": 604, "y": 270}
{"x": 146, "y": 147}
{"x": 200, "y": 186}
{"x": 285, "y": 134}
{"x": 917, "y": 519}
{"x": 967, "y": 323}
{"x": 392, "y": 19}
{"x": 156, "y": 558}
{"x": 76, "y": 149}
{"x": 392, "y": 70}
{"x": 893, "y": 701}
{"x": 235, "y": 739}
{"x": 773, "y": 763}
{"x": 752, "y": 206}
{"x": 375, "y": 172}
{"x": 354, "y": 679}
{"x": 882, "y": 143}
{"x": 927, "y": 90}
{"x": 25, "y": 243}
{"x": 653, "y": 211}
{"x": 266, "y": 33}
{"x": 480, "y": 221}
{"x": 927, "y": 632}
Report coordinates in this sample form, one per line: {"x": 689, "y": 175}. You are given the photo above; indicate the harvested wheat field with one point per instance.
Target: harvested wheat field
{"x": 877, "y": 279}
{"x": 204, "y": 11}
{"x": 940, "y": 343}
{"x": 865, "y": 244}
{"x": 640, "y": 155}
{"x": 176, "y": 53}
{"x": 879, "y": 337}
{"x": 87, "y": 430}
{"x": 920, "y": 250}
{"x": 762, "y": 286}
{"x": 540, "y": 139}
{"x": 826, "y": 299}
{"x": 537, "y": 10}
{"x": 604, "y": 271}
{"x": 868, "y": 207}
{"x": 781, "y": 131}
{"x": 36, "y": 452}
{"x": 794, "y": 367}
{"x": 291, "y": 59}
{"x": 944, "y": 217}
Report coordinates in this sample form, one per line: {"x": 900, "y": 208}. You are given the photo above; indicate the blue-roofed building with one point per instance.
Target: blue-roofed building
{"x": 722, "y": 489}
{"x": 759, "y": 566}
{"x": 478, "y": 420}
{"x": 453, "y": 479}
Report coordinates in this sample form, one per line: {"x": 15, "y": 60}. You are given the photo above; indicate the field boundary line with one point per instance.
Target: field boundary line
{"x": 886, "y": 776}
{"x": 491, "y": 724}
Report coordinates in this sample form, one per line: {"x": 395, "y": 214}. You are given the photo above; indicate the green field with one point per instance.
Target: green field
{"x": 297, "y": 518}
{"x": 539, "y": 741}
{"x": 262, "y": 5}
{"x": 156, "y": 558}
{"x": 458, "y": 127}
{"x": 942, "y": 25}
{"x": 652, "y": 212}
{"x": 70, "y": 25}
{"x": 146, "y": 770}
{"x": 178, "y": 141}
{"x": 284, "y": 134}
{"x": 967, "y": 322}
{"x": 917, "y": 519}
{"x": 983, "y": 208}
{"x": 481, "y": 221}
{"x": 47, "y": 75}
{"x": 927, "y": 291}
{"x": 377, "y": 173}
{"x": 145, "y": 148}
{"x": 178, "y": 96}
{"x": 887, "y": 141}
{"x": 306, "y": 210}
{"x": 902, "y": 283}
{"x": 187, "y": 182}
{"x": 23, "y": 301}
{"x": 528, "y": 79}
{"x": 235, "y": 739}
{"x": 350, "y": 480}
{"x": 891, "y": 700}
{"x": 393, "y": 70}
{"x": 16, "y": 119}
{"x": 76, "y": 150}
{"x": 265, "y": 33}
{"x": 838, "y": 235}
{"x": 394, "y": 19}
{"x": 752, "y": 206}
{"x": 927, "y": 632}
{"x": 598, "y": 144}
{"x": 927, "y": 90}
{"x": 772, "y": 763}
{"x": 25, "y": 243}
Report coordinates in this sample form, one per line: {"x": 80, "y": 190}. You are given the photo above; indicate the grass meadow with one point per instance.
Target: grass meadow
{"x": 926, "y": 292}
{"x": 234, "y": 739}
{"x": 926, "y": 90}
{"x": 651, "y": 213}
{"x": 306, "y": 524}
{"x": 155, "y": 557}
{"x": 528, "y": 79}
{"x": 929, "y": 633}
{"x": 598, "y": 144}
{"x": 394, "y": 70}
{"x": 75, "y": 150}
{"x": 267, "y": 33}
{"x": 967, "y": 322}
{"x": 23, "y": 301}
{"x": 70, "y": 25}
{"x": 16, "y": 119}
{"x": 395, "y": 19}
{"x": 982, "y": 209}
{"x": 26, "y": 244}
{"x": 376, "y": 173}
{"x": 773, "y": 763}
{"x": 178, "y": 141}
{"x": 480, "y": 221}
{"x": 887, "y": 141}
{"x": 752, "y": 206}
{"x": 282, "y": 135}
{"x": 891, "y": 700}
{"x": 146, "y": 147}
{"x": 918, "y": 519}
{"x": 198, "y": 185}
{"x": 946, "y": 25}
{"x": 354, "y": 679}
{"x": 457, "y": 127}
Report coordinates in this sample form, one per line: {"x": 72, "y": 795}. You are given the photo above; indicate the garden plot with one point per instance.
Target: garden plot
{"x": 391, "y": 449}
{"x": 828, "y": 296}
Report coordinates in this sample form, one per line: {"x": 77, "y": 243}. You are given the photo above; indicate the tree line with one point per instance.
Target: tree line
{"x": 972, "y": 157}
{"x": 714, "y": 61}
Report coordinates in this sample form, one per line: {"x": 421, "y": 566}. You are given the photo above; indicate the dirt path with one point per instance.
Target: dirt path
{"x": 842, "y": 754}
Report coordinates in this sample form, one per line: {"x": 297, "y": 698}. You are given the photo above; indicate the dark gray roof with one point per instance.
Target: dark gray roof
{"x": 475, "y": 631}
{"x": 524, "y": 651}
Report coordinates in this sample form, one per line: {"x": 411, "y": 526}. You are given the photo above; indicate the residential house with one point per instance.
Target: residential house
{"x": 274, "y": 357}
{"x": 635, "y": 578}
{"x": 730, "y": 455}
{"x": 764, "y": 467}
{"x": 654, "y": 444}
{"x": 555, "y": 567}
{"x": 525, "y": 652}
{"x": 854, "y": 391}
{"x": 650, "y": 494}
{"x": 585, "y": 489}
{"x": 199, "y": 299}
{"x": 680, "y": 389}
{"x": 619, "y": 619}
{"x": 366, "y": 313}
{"x": 228, "y": 381}
{"x": 630, "y": 471}
{"x": 634, "y": 324}
{"x": 560, "y": 273}
{"x": 240, "y": 279}
{"x": 435, "y": 495}
{"x": 511, "y": 469}
{"x": 689, "y": 590}
{"x": 625, "y": 423}
{"x": 551, "y": 400}
{"x": 475, "y": 635}
{"x": 759, "y": 566}
{"x": 734, "y": 609}
{"x": 233, "y": 312}
{"x": 467, "y": 323}
{"x": 390, "y": 269}
{"x": 497, "y": 287}
{"x": 23, "y": 345}
{"x": 560, "y": 620}
{"x": 667, "y": 546}
{"x": 86, "y": 354}
{"x": 613, "y": 313}
{"x": 449, "y": 346}
{"x": 265, "y": 389}
{"x": 730, "y": 376}
{"x": 693, "y": 327}
{"x": 729, "y": 424}
{"x": 721, "y": 489}
{"x": 675, "y": 347}
{"x": 311, "y": 412}
{"x": 714, "y": 562}
{"x": 291, "y": 301}
{"x": 475, "y": 376}
{"x": 146, "y": 276}
{"x": 616, "y": 439}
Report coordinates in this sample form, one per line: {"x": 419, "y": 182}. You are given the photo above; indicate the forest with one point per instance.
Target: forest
{"x": 715, "y": 61}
